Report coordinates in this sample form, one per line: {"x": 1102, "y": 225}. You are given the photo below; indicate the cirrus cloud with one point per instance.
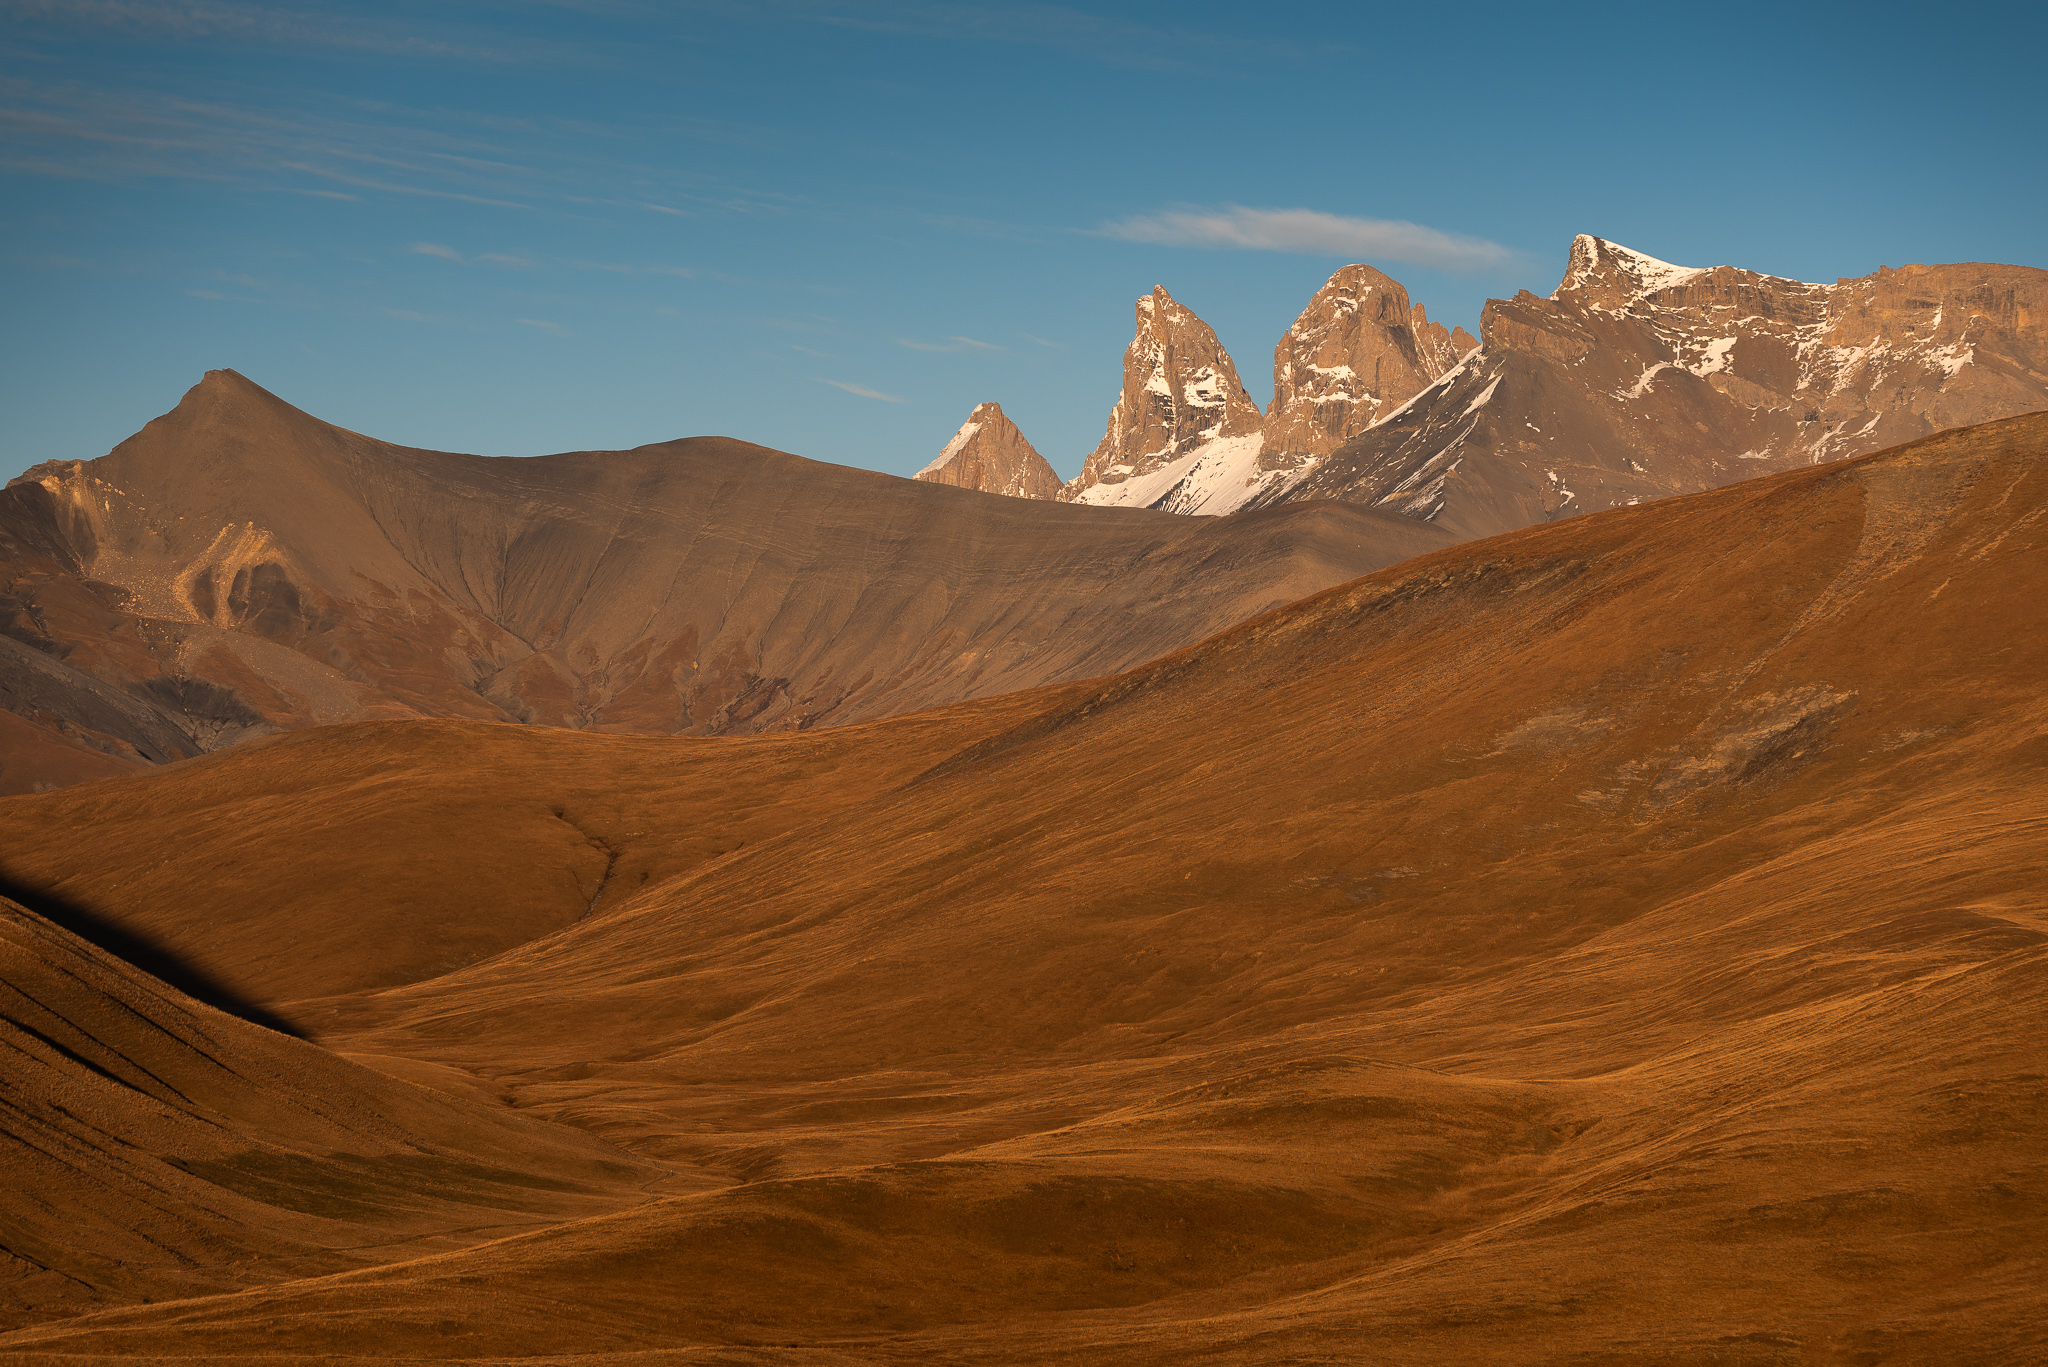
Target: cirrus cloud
{"x": 865, "y": 392}
{"x": 1307, "y": 232}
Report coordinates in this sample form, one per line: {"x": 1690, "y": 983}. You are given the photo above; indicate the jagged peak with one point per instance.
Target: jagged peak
{"x": 983, "y": 413}
{"x": 1595, "y": 262}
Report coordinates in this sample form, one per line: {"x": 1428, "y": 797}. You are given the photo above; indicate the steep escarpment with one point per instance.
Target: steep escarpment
{"x": 1357, "y": 352}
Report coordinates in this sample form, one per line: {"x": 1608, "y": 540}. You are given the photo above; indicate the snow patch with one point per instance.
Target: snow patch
{"x": 1216, "y": 477}
{"x": 1480, "y": 402}
{"x": 1716, "y": 358}
{"x": 1649, "y": 376}
{"x": 960, "y": 439}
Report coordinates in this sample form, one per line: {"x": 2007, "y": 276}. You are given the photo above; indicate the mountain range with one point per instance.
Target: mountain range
{"x": 239, "y": 567}
{"x": 1619, "y": 940}
{"x": 1634, "y": 379}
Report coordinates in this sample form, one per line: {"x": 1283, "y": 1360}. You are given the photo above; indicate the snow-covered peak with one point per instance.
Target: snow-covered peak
{"x": 1596, "y": 261}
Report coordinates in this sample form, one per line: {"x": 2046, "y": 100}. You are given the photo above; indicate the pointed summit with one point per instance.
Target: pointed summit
{"x": 1357, "y": 352}
{"x": 1180, "y": 394}
{"x": 989, "y": 453}
{"x": 1603, "y": 274}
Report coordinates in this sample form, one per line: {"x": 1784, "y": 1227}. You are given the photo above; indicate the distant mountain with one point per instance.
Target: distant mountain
{"x": 1186, "y": 438}
{"x": 1637, "y": 379}
{"x": 1356, "y": 353}
{"x": 988, "y": 453}
{"x": 239, "y": 567}
{"x": 1182, "y": 405}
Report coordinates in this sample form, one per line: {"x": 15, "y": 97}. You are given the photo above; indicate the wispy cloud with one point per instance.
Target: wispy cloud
{"x": 552, "y": 329}
{"x": 269, "y": 25}
{"x": 1105, "y": 38}
{"x": 865, "y": 392}
{"x": 812, "y": 351}
{"x": 1307, "y": 232}
{"x": 950, "y": 344}
{"x": 346, "y": 149}
{"x": 665, "y": 209}
{"x": 1040, "y": 341}
{"x": 435, "y": 249}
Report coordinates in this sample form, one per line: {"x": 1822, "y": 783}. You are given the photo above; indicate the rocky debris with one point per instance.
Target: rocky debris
{"x": 989, "y": 453}
{"x": 1181, "y": 397}
{"x": 1356, "y": 353}
{"x": 1637, "y": 379}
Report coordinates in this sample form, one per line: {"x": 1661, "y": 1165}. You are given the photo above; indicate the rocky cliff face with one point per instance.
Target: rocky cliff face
{"x": 989, "y": 453}
{"x": 1183, "y": 426}
{"x": 1637, "y": 379}
{"x": 1356, "y": 353}
{"x": 1186, "y": 438}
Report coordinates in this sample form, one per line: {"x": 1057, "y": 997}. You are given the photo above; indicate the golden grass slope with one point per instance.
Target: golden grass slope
{"x": 1616, "y": 942}
{"x": 155, "y": 1148}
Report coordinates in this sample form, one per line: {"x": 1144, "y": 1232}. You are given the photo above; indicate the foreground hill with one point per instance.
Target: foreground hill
{"x": 1619, "y": 941}
{"x": 239, "y": 567}
{"x": 156, "y": 1148}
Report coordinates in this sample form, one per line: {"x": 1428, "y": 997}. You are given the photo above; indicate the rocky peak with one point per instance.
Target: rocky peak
{"x": 1637, "y": 379}
{"x": 988, "y": 453}
{"x": 1180, "y": 393}
{"x": 1603, "y": 274}
{"x": 1441, "y": 348}
{"x": 1357, "y": 352}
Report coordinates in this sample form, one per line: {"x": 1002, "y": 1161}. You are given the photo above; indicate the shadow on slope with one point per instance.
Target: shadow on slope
{"x": 142, "y": 951}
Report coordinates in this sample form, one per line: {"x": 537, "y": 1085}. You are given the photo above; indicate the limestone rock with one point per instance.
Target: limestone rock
{"x": 989, "y": 453}
{"x": 1357, "y": 352}
{"x": 1183, "y": 416}
{"x": 1637, "y": 379}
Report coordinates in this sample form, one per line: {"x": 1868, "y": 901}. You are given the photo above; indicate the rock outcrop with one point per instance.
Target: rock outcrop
{"x": 1356, "y": 353}
{"x": 1637, "y": 379}
{"x": 988, "y": 453}
{"x": 1183, "y": 431}
{"x": 1185, "y": 437}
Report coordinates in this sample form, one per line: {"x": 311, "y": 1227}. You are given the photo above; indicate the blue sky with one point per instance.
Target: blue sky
{"x": 519, "y": 226}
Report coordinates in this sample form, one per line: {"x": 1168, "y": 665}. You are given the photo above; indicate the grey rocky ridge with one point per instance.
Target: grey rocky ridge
{"x": 989, "y": 453}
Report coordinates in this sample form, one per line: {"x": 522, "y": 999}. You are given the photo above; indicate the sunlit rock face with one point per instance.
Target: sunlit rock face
{"x": 989, "y": 453}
